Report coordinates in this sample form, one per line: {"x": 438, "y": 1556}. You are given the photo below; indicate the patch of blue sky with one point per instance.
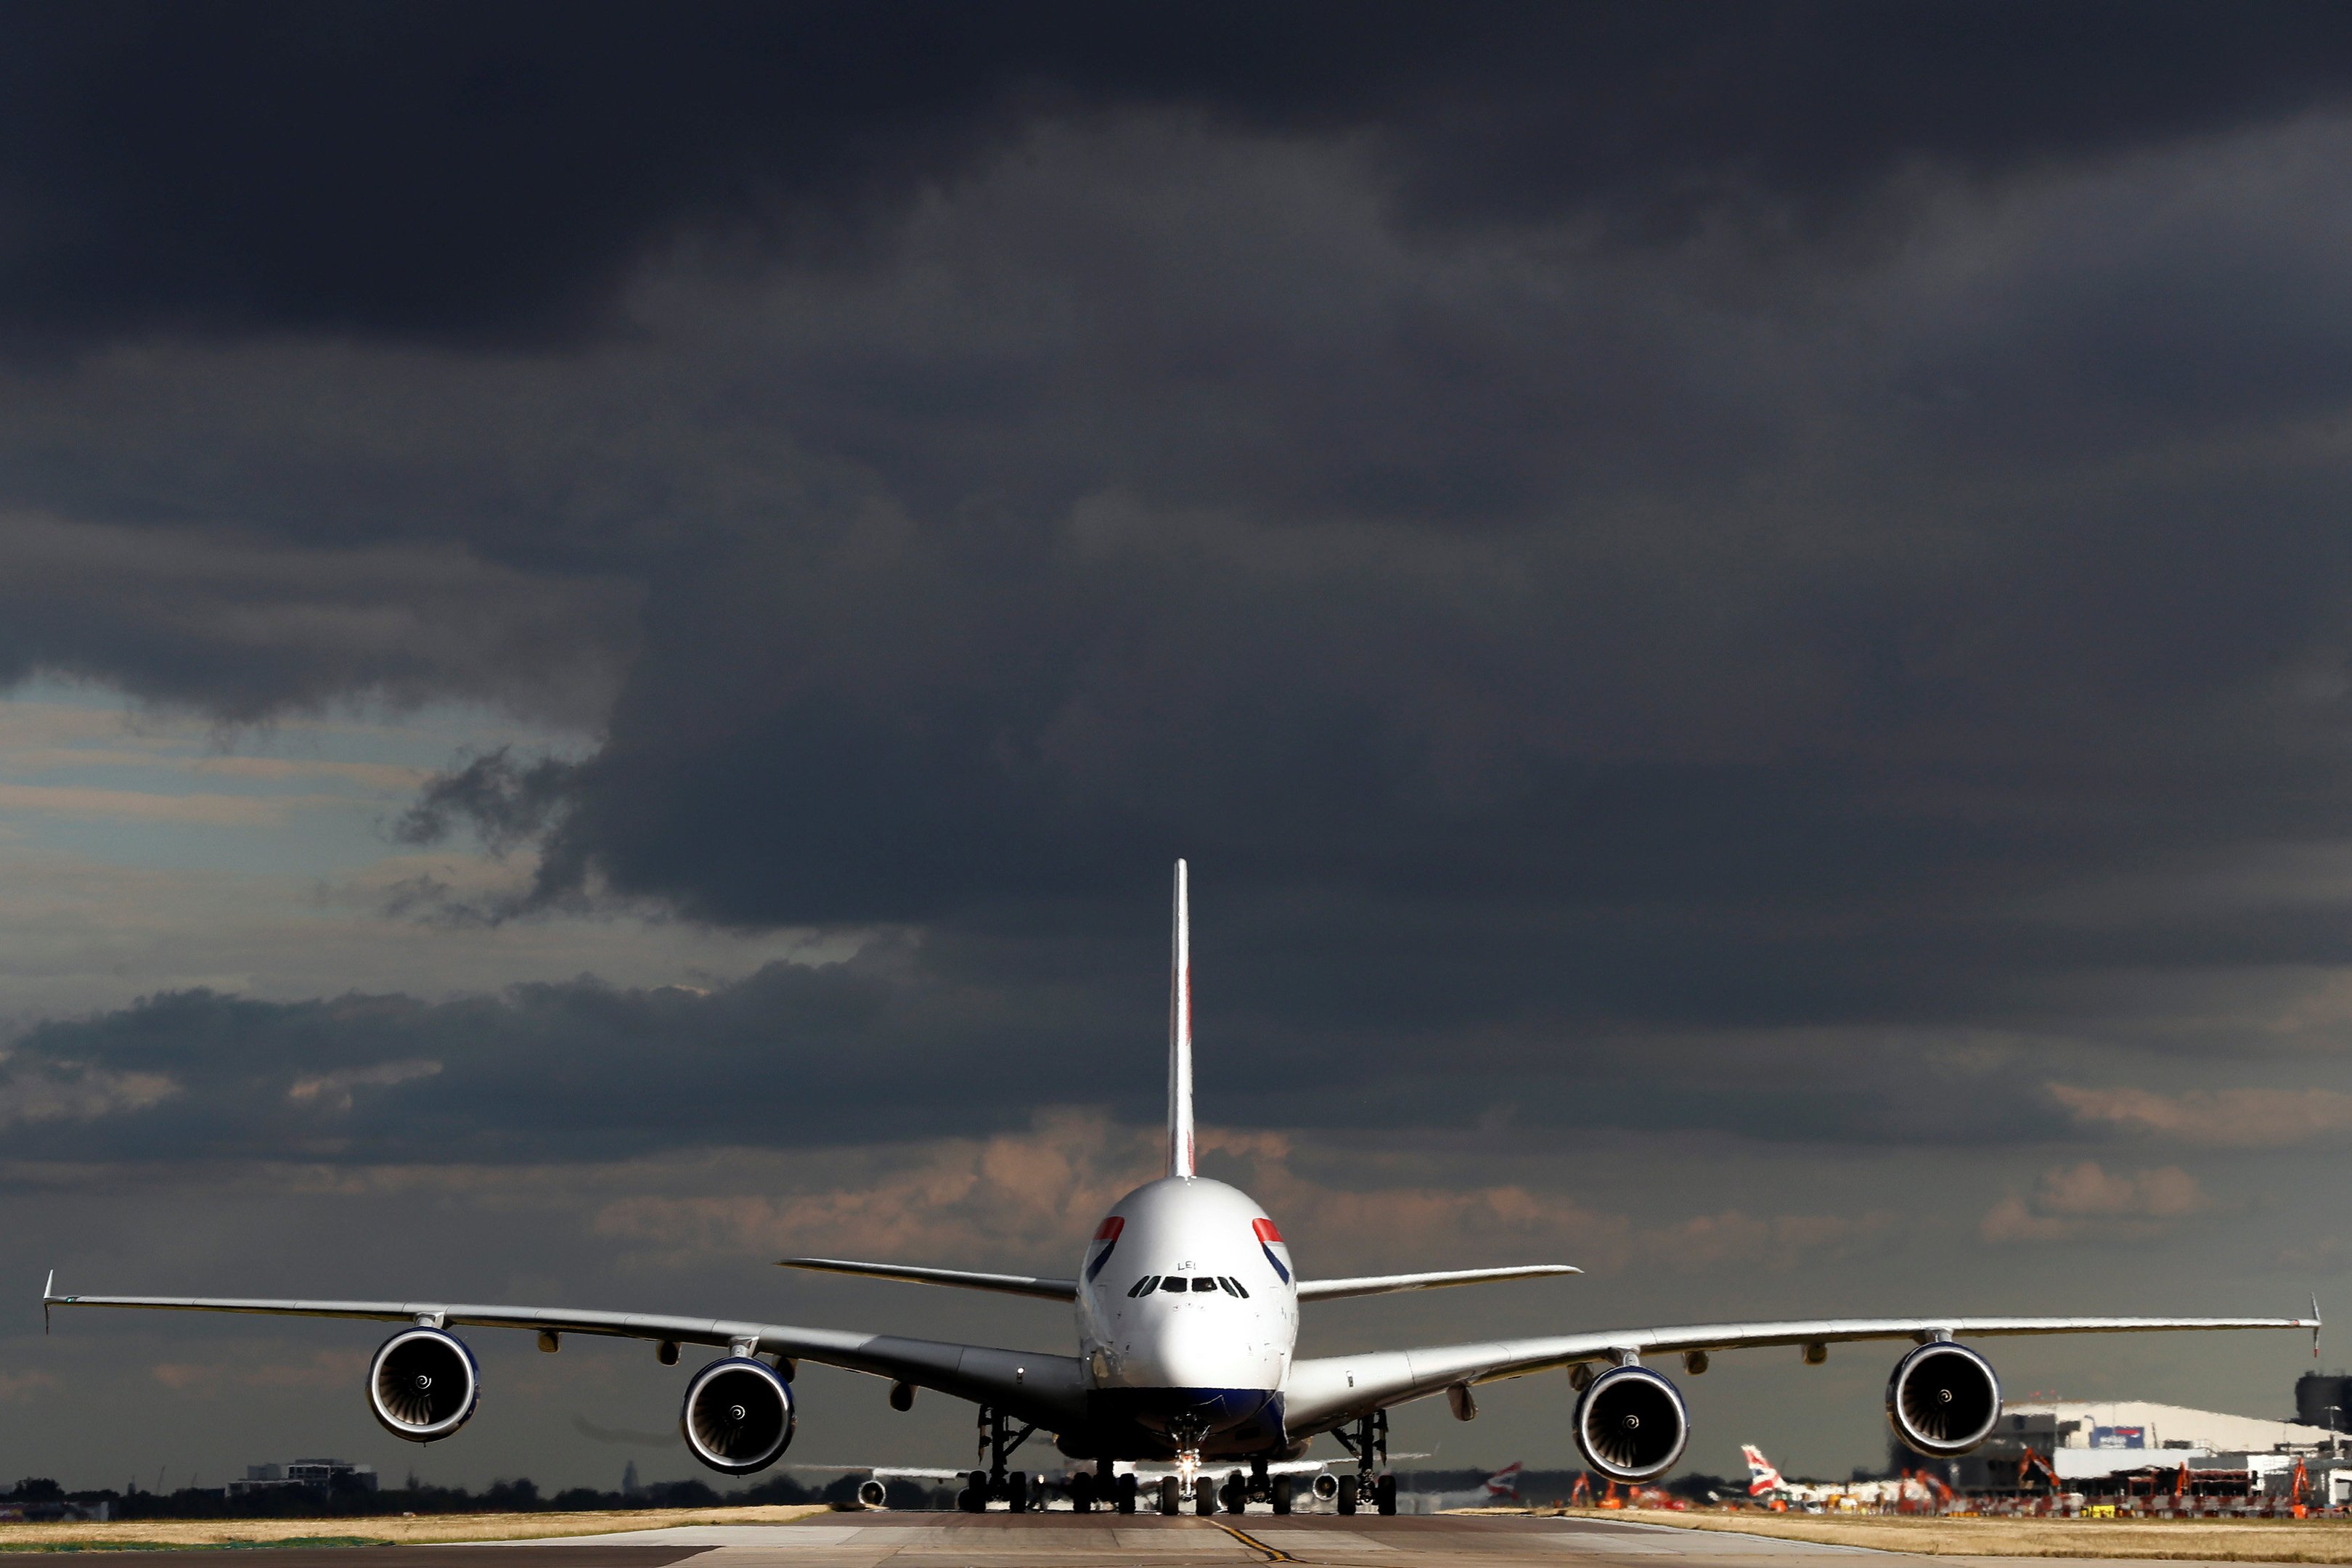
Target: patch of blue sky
{"x": 86, "y": 772}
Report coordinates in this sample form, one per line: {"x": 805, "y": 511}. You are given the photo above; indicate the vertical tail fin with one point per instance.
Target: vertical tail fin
{"x": 1180, "y": 1037}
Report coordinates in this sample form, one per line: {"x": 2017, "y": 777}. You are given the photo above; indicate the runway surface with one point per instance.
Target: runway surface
{"x": 1142, "y": 1541}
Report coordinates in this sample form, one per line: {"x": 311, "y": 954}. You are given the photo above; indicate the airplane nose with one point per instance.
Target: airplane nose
{"x": 1188, "y": 1349}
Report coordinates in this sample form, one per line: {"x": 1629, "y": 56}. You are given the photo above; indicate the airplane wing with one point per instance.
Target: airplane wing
{"x": 1031, "y": 1385}
{"x": 1382, "y": 1284}
{"x": 1325, "y": 1391}
{"x": 1011, "y": 1284}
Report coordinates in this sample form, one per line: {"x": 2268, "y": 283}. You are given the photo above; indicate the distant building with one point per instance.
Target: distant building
{"x": 2323, "y": 1399}
{"x": 2085, "y": 1439}
{"x": 319, "y": 1475}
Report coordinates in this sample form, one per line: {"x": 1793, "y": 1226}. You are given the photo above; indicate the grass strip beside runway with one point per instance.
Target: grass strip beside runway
{"x": 2202, "y": 1540}
{"x": 170, "y": 1534}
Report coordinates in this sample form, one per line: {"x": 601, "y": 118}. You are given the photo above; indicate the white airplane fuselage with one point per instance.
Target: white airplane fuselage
{"x": 1195, "y": 1363}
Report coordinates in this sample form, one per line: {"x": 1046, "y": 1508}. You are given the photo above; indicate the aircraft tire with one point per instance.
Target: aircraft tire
{"x": 1204, "y": 1497}
{"x": 970, "y": 1501}
{"x": 1282, "y": 1494}
{"x": 1168, "y": 1495}
{"x": 1384, "y": 1494}
{"x": 1232, "y": 1497}
{"x": 1016, "y": 1491}
{"x": 1082, "y": 1492}
{"x": 1346, "y": 1496}
{"x": 1125, "y": 1494}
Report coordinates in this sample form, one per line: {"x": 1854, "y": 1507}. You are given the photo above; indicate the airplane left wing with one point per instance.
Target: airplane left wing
{"x": 1032, "y": 1386}
{"x": 1382, "y": 1284}
{"x": 1325, "y": 1391}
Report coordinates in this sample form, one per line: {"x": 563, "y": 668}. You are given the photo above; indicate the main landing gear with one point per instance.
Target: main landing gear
{"x": 1370, "y": 1444}
{"x": 1103, "y": 1485}
{"x": 1239, "y": 1490}
{"x": 996, "y": 1484}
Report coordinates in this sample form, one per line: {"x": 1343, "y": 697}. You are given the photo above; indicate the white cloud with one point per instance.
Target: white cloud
{"x": 2226, "y": 1117}
{"x": 2074, "y": 1201}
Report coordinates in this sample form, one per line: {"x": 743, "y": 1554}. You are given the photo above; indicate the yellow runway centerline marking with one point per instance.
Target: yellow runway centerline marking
{"x": 1273, "y": 1554}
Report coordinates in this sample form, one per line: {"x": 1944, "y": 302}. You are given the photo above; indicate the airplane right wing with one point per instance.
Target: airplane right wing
{"x": 1325, "y": 1391}
{"x": 1010, "y": 1284}
{"x": 1049, "y": 1390}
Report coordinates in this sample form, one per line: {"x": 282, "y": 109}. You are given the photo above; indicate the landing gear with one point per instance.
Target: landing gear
{"x": 1125, "y": 1494}
{"x": 1370, "y": 1444}
{"x": 1281, "y": 1494}
{"x": 1234, "y": 1496}
{"x": 1204, "y": 1497}
{"x": 996, "y": 1484}
{"x": 1082, "y": 1491}
{"x": 1168, "y": 1500}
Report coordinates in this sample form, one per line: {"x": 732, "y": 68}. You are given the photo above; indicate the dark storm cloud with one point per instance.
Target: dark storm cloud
{"x": 464, "y": 175}
{"x": 1647, "y": 550}
{"x": 892, "y": 1046}
{"x": 248, "y": 628}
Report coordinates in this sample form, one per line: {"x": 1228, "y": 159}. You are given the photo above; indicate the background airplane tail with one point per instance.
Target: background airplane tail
{"x": 1179, "y": 1037}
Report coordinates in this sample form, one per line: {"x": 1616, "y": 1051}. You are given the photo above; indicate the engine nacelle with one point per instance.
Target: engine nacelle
{"x": 423, "y": 1385}
{"x": 1326, "y": 1487}
{"x": 1943, "y": 1399}
{"x": 872, "y": 1493}
{"x": 738, "y": 1415}
{"x": 1631, "y": 1424}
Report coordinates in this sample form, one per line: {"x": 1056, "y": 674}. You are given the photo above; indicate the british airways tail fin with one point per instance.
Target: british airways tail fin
{"x": 1180, "y": 1037}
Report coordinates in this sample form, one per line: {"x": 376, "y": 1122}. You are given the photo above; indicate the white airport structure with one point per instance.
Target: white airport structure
{"x": 2095, "y": 1438}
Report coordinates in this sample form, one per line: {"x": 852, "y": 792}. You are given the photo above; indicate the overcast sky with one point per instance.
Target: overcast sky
{"x": 612, "y": 619}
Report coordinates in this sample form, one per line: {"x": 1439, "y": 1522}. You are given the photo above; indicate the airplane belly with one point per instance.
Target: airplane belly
{"x": 1193, "y": 1376}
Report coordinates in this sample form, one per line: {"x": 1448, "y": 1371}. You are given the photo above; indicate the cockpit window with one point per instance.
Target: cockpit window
{"x": 1173, "y": 1282}
{"x": 1205, "y": 1283}
{"x": 1232, "y": 1287}
{"x": 1143, "y": 1284}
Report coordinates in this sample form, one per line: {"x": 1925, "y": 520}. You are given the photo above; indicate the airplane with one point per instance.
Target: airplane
{"x": 1766, "y": 1484}
{"x": 1499, "y": 1488}
{"x": 1187, "y": 1301}
{"x": 1763, "y": 1480}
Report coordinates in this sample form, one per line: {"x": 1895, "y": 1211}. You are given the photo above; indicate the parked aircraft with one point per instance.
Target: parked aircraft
{"x": 1500, "y": 1489}
{"x": 1187, "y": 1301}
{"x": 1766, "y": 1484}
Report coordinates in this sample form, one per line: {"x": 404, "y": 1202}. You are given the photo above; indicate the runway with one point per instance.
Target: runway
{"x": 1365, "y": 1540}
{"x": 1142, "y": 1541}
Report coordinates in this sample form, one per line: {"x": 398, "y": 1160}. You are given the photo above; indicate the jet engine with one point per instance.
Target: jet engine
{"x": 1631, "y": 1424}
{"x": 1326, "y": 1487}
{"x": 872, "y": 1493}
{"x": 1943, "y": 1399}
{"x": 423, "y": 1385}
{"x": 738, "y": 1415}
